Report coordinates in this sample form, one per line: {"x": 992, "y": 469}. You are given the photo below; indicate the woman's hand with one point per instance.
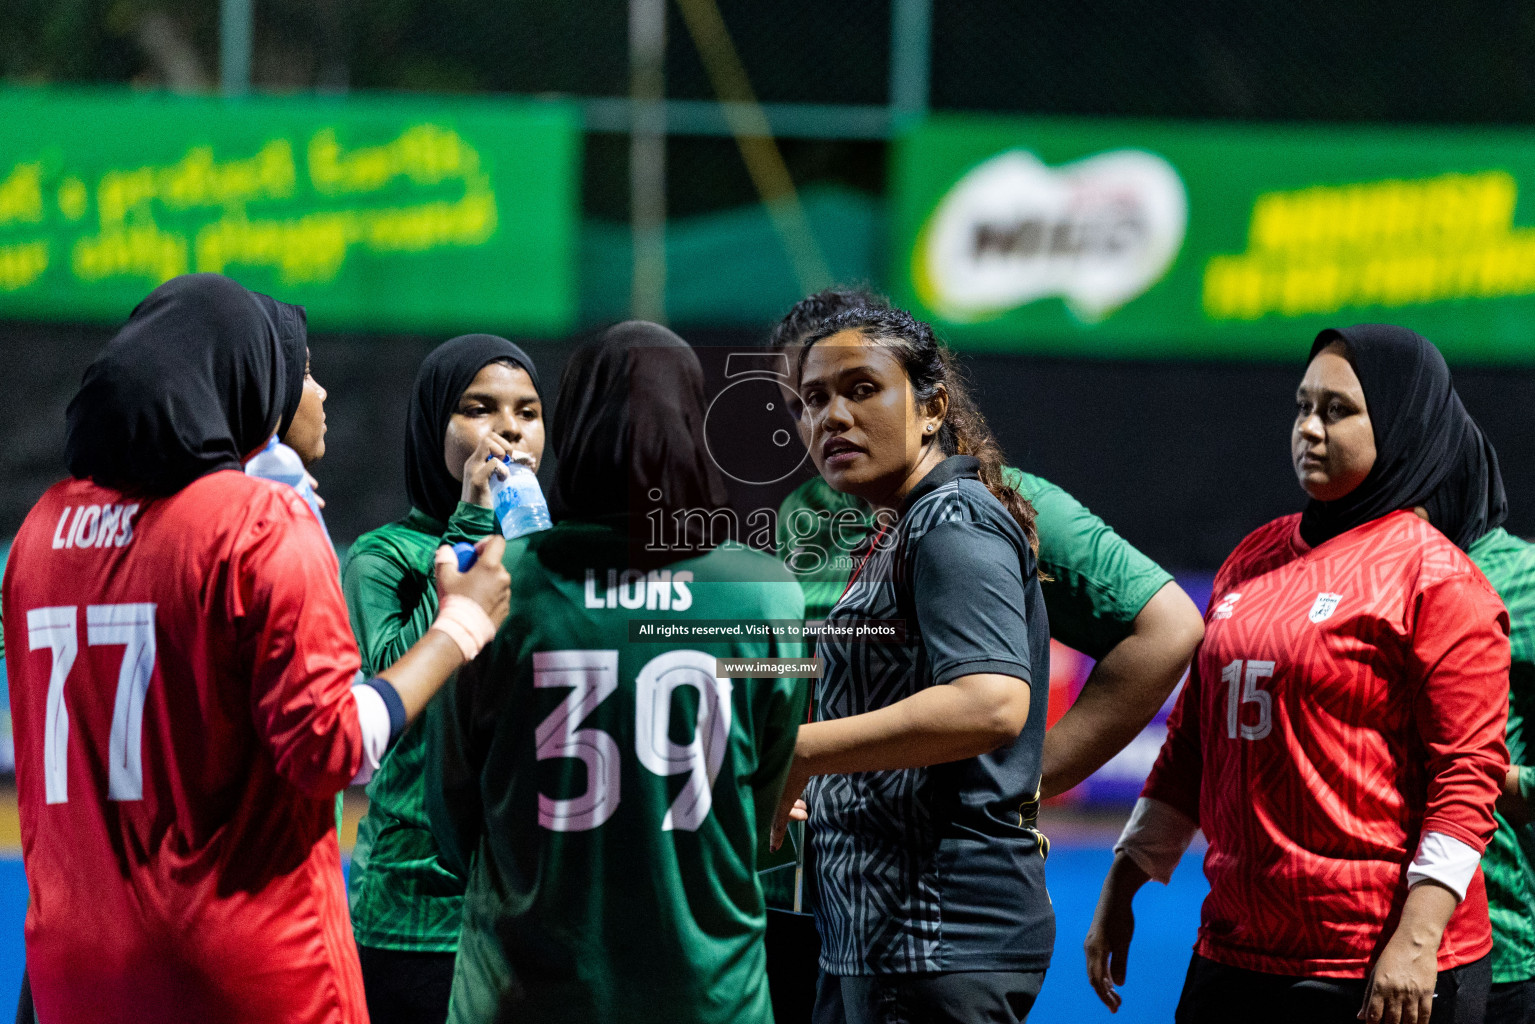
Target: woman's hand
{"x": 790, "y": 806}
{"x": 314, "y": 485}
{"x": 432, "y": 660}
{"x": 1108, "y": 938}
{"x": 1400, "y": 989}
{"x": 487, "y": 582}
{"x": 486, "y": 460}
{"x": 1108, "y": 949}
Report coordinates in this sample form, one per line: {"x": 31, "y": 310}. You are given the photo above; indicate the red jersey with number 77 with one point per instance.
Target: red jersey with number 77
{"x": 1346, "y": 699}
{"x": 180, "y": 673}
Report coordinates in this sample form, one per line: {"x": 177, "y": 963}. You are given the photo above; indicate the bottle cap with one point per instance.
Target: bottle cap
{"x": 466, "y": 555}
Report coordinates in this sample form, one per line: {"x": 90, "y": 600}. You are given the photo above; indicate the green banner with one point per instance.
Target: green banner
{"x": 404, "y": 213}
{"x": 1142, "y": 239}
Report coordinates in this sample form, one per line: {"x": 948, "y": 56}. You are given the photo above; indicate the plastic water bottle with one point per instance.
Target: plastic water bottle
{"x": 279, "y": 463}
{"x": 518, "y": 501}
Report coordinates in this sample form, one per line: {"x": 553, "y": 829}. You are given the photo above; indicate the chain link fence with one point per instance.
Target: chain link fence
{"x": 1309, "y": 59}
{"x": 1457, "y": 62}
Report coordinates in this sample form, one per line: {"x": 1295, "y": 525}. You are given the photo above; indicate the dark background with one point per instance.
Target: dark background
{"x": 1383, "y": 61}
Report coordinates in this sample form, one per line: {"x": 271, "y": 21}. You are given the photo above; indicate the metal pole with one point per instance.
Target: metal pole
{"x": 754, "y": 138}
{"x": 911, "y": 54}
{"x": 647, "y": 158}
{"x": 235, "y": 47}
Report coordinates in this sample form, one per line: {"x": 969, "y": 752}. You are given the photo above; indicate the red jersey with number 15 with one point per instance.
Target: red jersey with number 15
{"x": 1346, "y": 699}
{"x": 180, "y": 672}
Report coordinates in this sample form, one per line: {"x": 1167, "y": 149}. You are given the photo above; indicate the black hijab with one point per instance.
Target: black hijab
{"x": 629, "y": 431}
{"x": 193, "y": 383}
{"x": 1428, "y": 449}
{"x": 444, "y": 376}
{"x": 293, "y": 338}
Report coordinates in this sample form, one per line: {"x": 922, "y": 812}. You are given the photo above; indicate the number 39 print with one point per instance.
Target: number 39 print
{"x": 592, "y": 677}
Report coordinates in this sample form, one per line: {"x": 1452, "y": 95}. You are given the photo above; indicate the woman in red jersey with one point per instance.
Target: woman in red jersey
{"x": 182, "y": 688}
{"x": 1340, "y": 736}
{"x": 301, "y": 426}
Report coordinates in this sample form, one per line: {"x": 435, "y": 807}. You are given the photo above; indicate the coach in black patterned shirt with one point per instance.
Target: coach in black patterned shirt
{"x": 926, "y": 756}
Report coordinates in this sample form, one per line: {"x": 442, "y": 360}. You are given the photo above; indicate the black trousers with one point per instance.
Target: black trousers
{"x": 405, "y": 987}
{"x": 793, "y": 955}
{"x": 24, "y": 1012}
{"x": 1512, "y": 1002}
{"x": 959, "y": 997}
{"x": 1216, "y": 994}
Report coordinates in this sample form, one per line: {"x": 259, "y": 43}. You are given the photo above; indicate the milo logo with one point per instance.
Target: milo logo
{"x": 1097, "y": 233}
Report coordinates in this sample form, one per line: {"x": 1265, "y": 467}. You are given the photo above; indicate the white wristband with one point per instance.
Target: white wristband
{"x": 1446, "y": 860}
{"x": 465, "y": 623}
{"x": 1155, "y": 837}
{"x": 373, "y": 720}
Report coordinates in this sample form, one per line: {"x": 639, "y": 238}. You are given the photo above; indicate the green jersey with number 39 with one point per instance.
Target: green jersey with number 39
{"x": 609, "y": 791}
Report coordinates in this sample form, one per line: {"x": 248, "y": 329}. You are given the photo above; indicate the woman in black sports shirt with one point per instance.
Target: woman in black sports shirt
{"x": 924, "y": 764}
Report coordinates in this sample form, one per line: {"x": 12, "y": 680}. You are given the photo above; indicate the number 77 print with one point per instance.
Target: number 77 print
{"x": 132, "y": 626}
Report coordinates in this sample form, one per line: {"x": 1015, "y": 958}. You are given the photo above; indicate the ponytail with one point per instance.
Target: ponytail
{"x": 966, "y": 432}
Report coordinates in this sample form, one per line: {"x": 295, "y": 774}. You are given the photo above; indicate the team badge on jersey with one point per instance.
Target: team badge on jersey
{"x": 1324, "y": 606}
{"x": 1227, "y": 605}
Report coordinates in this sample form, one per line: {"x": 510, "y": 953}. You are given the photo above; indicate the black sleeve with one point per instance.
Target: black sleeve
{"x": 967, "y": 586}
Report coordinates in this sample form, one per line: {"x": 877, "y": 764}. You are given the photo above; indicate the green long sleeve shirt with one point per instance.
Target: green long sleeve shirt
{"x": 402, "y": 896}
{"x": 1509, "y": 863}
